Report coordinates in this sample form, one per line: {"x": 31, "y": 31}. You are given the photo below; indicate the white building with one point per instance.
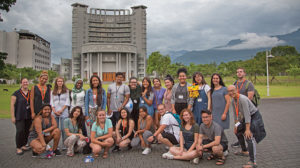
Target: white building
{"x": 26, "y": 49}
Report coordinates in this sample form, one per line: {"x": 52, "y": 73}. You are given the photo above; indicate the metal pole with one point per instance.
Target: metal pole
{"x": 268, "y": 87}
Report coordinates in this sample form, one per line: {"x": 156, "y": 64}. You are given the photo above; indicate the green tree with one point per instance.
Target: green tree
{"x": 294, "y": 70}
{"x": 159, "y": 63}
{"x": 6, "y": 4}
{"x": 52, "y": 75}
{"x": 3, "y": 57}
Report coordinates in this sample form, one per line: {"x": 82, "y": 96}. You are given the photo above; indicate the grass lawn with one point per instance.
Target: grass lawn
{"x": 280, "y": 88}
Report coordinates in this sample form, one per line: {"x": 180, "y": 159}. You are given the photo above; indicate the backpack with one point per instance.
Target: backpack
{"x": 256, "y": 96}
{"x": 177, "y": 117}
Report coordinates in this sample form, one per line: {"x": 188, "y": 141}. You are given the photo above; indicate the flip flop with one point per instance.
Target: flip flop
{"x": 220, "y": 161}
{"x": 210, "y": 157}
{"x": 250, "y": 165}
{"x": 20, "y": 153}
{"x": 240, "y": 153}
{"x": 105, "y": 155}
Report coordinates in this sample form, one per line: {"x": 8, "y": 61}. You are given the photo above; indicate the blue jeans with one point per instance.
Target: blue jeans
{"x": 60, "y": 125}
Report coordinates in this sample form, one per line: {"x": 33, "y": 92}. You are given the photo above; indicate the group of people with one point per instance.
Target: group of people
{"x": 186, "y": 125}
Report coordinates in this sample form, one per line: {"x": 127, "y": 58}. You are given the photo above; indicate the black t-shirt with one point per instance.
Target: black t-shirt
{"x": 22, "y": 107}
{"x": 38, "y": 102}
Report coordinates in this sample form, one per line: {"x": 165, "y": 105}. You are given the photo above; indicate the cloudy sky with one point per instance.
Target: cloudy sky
{"x": 171, "y": 24}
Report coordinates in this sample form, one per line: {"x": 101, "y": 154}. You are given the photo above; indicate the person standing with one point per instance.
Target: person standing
{"x": 159, "y": 92}
{"x": 95, "y": 99}
{"x": 203, "y": 101}
{"x": 21, "y": 115}
{"x": 169, "y": 83}
{"x": 135, "y": 94}
{"x": 60, "y": 101}
{"x": 117, "y": 97}
{"x": 220, "y": 101}
{"x": 147, "y": 96}
{"x": 39, "y": 94}
{"x": 249, "y": 125}
{"x": 180, "y": 95}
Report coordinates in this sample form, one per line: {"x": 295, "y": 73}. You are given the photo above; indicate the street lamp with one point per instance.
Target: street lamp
{"x": 268, "y": 86}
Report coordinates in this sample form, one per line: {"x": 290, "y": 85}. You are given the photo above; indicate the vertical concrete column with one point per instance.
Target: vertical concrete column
{"x": 87, "y": 65}
{"x": 120, "y": 61}
{"x": 136, "y": 67}
{"x": 100, "y": 66}
{"x": 117, "y": 62}
{"x": 127, "y": 67}
{"x": 91, "y": 64}
{"x": 82, "y": 66}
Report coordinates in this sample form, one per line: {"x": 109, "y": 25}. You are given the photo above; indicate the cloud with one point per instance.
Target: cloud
{"x": 253, "y": 41}
{"x": 171, "y": 25}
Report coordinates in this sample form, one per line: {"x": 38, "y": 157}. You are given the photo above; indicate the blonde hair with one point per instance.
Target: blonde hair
{"x": 44, "y": 73}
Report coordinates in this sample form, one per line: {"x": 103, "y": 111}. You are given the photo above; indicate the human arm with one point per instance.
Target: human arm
{"x": 118, "y": 135}
{"x": 32, "y": 102}
{"x": 196, "y": 135}
{"x": 173, "y": 99}
{"x": 248, "y": 133}
{"x": 108, "y": 103}
{"x": 227, "y": 99}
{"x": 12, "y": 108}
{"x": 216, "y": 142}
{"x": 37, "y": 123}
{"x": 208, "y": 101}
{"x": 130, "y": 130}
{"x": 108, "y": 135}
{"x": 181, "y": 140}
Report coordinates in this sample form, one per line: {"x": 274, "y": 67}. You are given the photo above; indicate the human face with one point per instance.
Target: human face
{"x": 95, "y": 82}
{"x": 182, "y": 77}
{"x": 156, "y": 83}
{"x": 76, "y": 113}
{"x": 168, "y": 84}
{"x": 145, "y": 83}
{"x": 198, "y": 79}
{"x": 60, "y": 82}
{"x": 119, "y": 78}
{"x": 79, "y": 84}
{"x": 142, "y": 113}
{"x": 101, "y": 116}
{"x": 24, "y": 84}
{"x": 161, "y": 110}
{"x": 133, "y": 83}
{"x": 186, "y": 116}
{"x": 43, "y": 79}
{"x": 124, "y": 114}
{"x": 206, "y": 119}
{"x": 240, "y": 73}
{"x": 216, "y": 80}
{"x": 46, "y": 111}
{"x": 231, "y": 91}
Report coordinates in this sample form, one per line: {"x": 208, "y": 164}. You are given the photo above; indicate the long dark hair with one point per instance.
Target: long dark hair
{"x": 212, "y": 84}
{"x": 203, "y": 82}
{"x": 64, "y": 87}
{"x": 156, "y": 79}
{"x": 149, "y": 89}
{"x": 127, "y": 117}
{"x": 80, "y": 118}
{"x": 99, "y": 89}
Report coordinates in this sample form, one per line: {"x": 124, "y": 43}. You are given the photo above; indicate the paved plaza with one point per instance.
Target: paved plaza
{"x": 281, "y": 147}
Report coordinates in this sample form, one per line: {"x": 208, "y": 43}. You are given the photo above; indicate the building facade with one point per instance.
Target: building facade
{"x": 26, "y": 49}
{"x": 106, "y": 41}
{"x": 66, "y": 68}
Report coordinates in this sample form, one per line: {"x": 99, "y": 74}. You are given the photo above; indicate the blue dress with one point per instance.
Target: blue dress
{"x": 218, "y": 106}
{"x": 200, "y": 103}
{"x": 150, "y": 108}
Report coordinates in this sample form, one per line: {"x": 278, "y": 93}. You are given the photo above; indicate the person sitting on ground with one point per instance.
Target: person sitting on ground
{"x": 73, "y": 125}
{"x": 216, "y": 143}
{"x": 249, "y": 125}
{"x": 168, "y": 131}
{"x": 101, "y": 134}
{"x": 144, "y": 131}
{"x": 43, "y": 131}
{"x": 124, "y": 131}
{"x": 189, "y": 132}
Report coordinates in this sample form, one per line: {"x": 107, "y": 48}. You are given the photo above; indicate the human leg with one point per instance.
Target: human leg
{"x": 124, "y": 143}
{"x": 96, "y": 149}
{"x": 37, "y": 146}
{"x": 20, "y": 132}
{"x": 135, "y": 141}
{"x": 69, "y": 143}
{"x": 167, "y": 139}
{"x": 79, "y": 145}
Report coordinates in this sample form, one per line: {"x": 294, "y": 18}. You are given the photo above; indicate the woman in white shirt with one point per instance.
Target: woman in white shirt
{"x": 60, "y": 101}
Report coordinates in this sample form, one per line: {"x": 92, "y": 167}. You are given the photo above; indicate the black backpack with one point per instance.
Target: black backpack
{"x": 256, "y": 96}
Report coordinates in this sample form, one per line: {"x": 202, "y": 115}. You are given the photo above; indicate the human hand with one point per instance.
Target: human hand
{"x": 248, "y": 134}
{"x": 13, "y": 119}
{"x": 109, "y": 112}
{"x": 32, "y": 115}
{"x": 235, "y": 130}
{"x": 223, "y": 117}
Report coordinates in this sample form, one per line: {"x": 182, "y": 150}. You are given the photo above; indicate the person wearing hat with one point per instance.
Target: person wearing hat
{"x": 39, "y": 95}
{"x": 44, "y": 129}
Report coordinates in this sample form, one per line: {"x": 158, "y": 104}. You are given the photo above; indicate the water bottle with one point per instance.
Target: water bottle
{"x": 88, "y": 159}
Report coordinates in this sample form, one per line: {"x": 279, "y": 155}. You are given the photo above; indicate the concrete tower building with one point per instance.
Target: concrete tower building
{"x": 106, "y": 41}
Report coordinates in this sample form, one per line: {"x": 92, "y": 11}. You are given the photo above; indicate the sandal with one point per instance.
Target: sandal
{"x": 211, "y": 157}
{"x": 19, "y": 152}
{"x": 71, "y": 154}
{"x": 241, "y": 153}
{"x": 220, "y": 161}
{"x": 24, "y": 148}
{"x": 250, "y": 165}
{"x": 96, "y": 155}
{"x": 105, "y": 155}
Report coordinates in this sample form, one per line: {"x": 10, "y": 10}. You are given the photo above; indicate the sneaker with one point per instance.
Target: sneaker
{"x": 225, "y": 153}
{"x": 116, "y": 149}
{"x": 235, "y": 145}
{"x": 170, "y": 156}
{"x": 165, "y": 155}
{"x": 34, "y": 155}
{"x": 146, "y": 151}
{"x": 57, "y": 152}
{"x": 195, "y": 160}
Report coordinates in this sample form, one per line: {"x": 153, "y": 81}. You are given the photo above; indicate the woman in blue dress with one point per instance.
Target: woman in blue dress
{"x": 203, "y": 101}
{"x": 147, "y": 96}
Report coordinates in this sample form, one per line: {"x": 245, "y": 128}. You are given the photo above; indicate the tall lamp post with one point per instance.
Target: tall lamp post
{"x": 268, "y": 86}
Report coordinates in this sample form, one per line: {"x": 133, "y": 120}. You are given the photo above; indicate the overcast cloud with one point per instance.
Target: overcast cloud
{"x": 171, "y": 24}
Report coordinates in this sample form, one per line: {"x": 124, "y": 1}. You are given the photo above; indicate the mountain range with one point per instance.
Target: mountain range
{"x": 231, "y": 52}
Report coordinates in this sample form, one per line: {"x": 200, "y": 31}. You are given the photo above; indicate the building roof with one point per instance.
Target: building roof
{"x": 139, "y": 6}
{"x": 80, "y": 5}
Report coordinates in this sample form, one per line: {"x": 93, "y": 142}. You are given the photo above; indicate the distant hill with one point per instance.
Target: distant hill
{"x": 219, "y": 55}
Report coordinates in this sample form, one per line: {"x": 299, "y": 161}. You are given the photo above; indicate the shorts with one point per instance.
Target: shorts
{"x": 223, "y": 144}
{"x": 170, "y": 137}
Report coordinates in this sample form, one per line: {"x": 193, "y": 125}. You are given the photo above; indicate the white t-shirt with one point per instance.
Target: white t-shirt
{"x": 171, "y": 123}
{"x": 205, "y": 87}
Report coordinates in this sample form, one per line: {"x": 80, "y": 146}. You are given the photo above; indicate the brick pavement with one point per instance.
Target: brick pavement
{"x": 281, "y": 147}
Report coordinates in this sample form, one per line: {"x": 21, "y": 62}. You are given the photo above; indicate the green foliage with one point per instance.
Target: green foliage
{"x": 52, "y": 75}
{"x": 3, "y": 57}
{"x": 294, "y": 70}
{"x": 6, "y": 4}
{"x": 75, "y": 77}
{"x": 159, "y": 63}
